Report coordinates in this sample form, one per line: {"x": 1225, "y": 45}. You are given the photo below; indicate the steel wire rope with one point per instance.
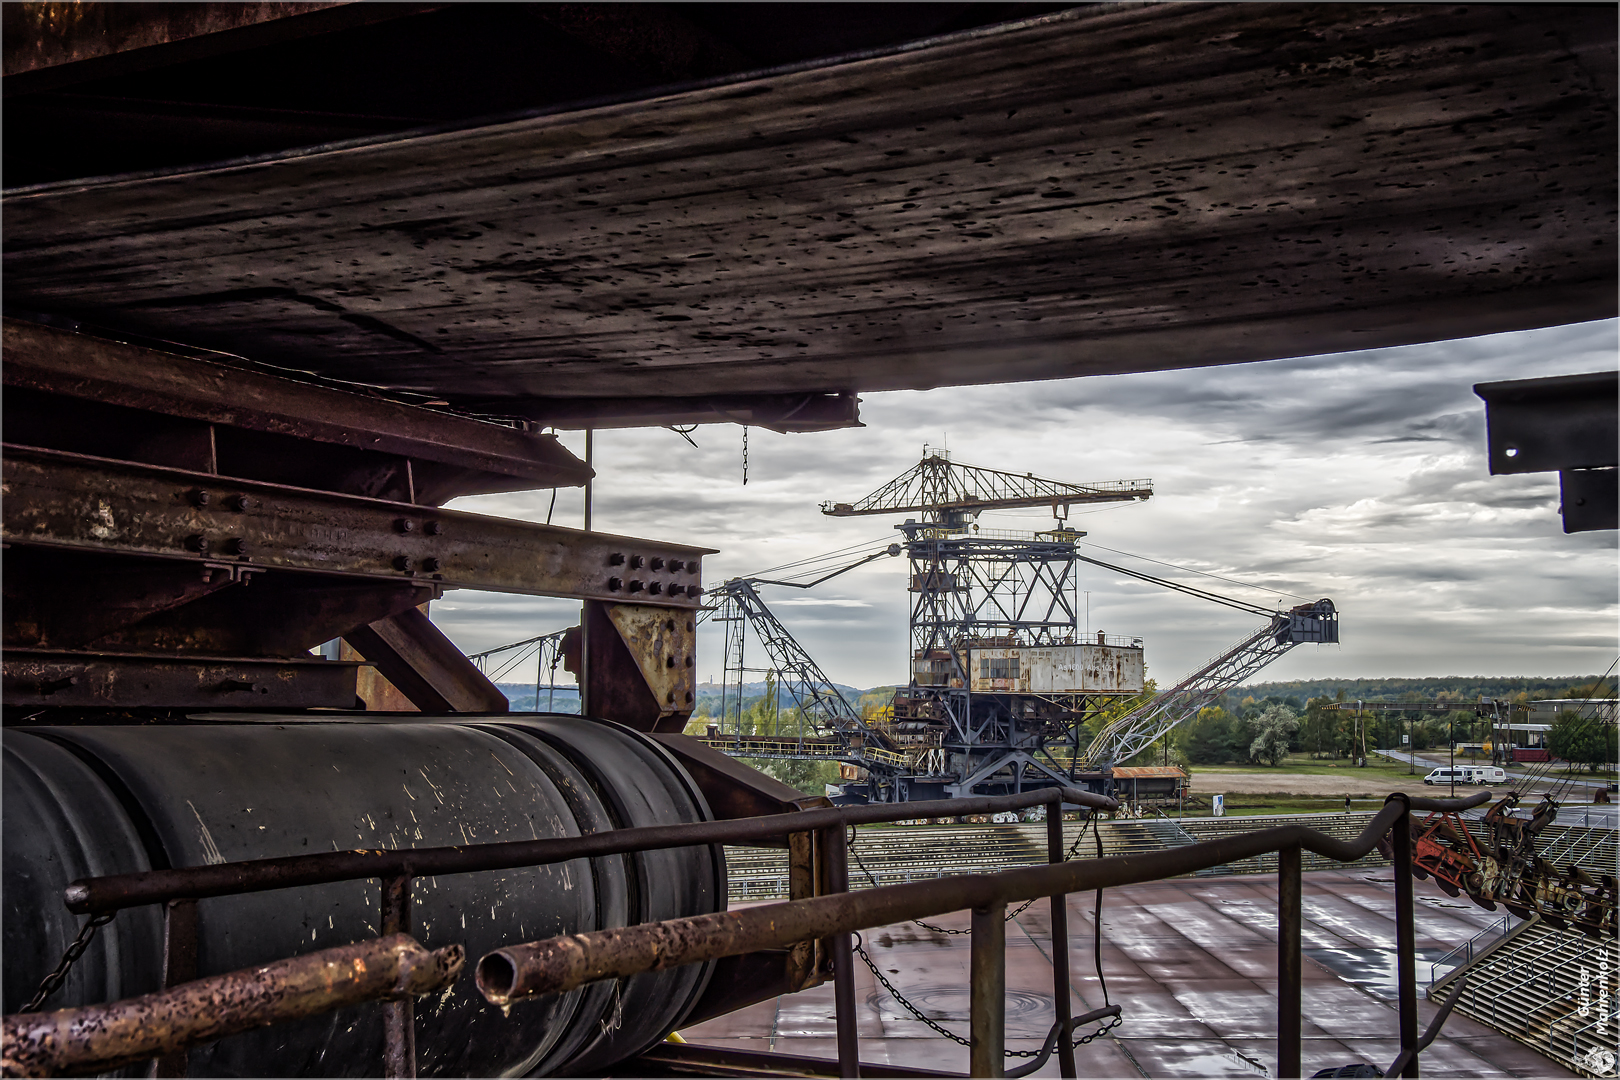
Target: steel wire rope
{"x": 1568, "y": 781}
{"x": 881, "y": 541}
{"x": 1190, "y": 570}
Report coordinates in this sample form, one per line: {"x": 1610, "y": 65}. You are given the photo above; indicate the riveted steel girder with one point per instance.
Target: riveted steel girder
{"x": 73, "y": 501}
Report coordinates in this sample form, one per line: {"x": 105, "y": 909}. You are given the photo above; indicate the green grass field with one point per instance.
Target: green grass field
{"x": 1301, "y": 765}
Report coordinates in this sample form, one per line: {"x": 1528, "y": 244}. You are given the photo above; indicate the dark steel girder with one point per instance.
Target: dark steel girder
{"x": 1116, "y": 188}
{"x": 86, "y": 368}
{"x": 71, "y": 501}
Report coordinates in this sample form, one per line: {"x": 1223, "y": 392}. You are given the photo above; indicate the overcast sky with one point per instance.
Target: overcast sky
{"x": 1356, "y": 476}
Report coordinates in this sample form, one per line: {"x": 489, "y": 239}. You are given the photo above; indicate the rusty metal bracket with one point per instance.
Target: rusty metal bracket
{"x": 640, "y": 665}
{"x": 427, "y": 667}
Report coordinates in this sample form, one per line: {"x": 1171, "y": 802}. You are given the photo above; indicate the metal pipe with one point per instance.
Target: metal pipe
{"x": 835, "y": 846}
{"x": 1290, "y": 962}
{"x": 1405, "y": 1057}
{"x": 399, "y": 1017}
{"x": 1405, "y": 934}
{"x": 1062, "y": 1000}
{"x": 987, "y": 982}
{"x": 99, "y": 1038}
{"x": 116, "y": 891}
{"x": 562, "y": 963}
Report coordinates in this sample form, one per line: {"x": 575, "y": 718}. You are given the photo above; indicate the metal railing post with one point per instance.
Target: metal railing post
{"x": 1405, "y": 936}
{"x": 399, "y": 1017}
{"x": 987, "y": 976}
{"x": 1290, "y": 962}
{"x": 179, "y": 966}
{"x": 1061, "y": 998}
{"x": 835, "y": 845}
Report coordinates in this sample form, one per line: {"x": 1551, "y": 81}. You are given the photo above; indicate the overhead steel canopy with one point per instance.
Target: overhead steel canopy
{"x": 1107, "y": 190}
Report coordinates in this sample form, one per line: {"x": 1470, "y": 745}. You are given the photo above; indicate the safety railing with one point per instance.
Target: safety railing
{"x": 1464, "y": 954}
{"x": 560, "y": 964}
{"x": 162, "y": 1025}
{"x": 166, "y": 1023}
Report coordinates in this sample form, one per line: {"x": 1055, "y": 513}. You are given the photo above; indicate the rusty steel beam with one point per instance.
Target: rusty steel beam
{"x": 83, "y": 367}
{"x": 71, "y": 501}
{"x": 426, "y": 666}
{"x": 782, "y": 413}
{"x": 98, "y": 1038}
{"x": 117, "y": 891}
{"x": 102, "y": 680}
{"x": 640, "y": 664}
{"x": 560, "y": 964}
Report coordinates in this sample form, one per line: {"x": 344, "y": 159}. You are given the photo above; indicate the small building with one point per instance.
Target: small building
{"x": 1149, "y": 783}
{"x": 1106, "y": 666}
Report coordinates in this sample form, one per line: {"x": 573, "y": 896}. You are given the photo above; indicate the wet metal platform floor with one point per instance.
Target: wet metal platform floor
{"x": 1194, "y": 963}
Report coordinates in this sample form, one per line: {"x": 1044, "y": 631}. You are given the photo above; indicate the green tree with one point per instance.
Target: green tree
{"x": 1213, "y": 737}
{"x": 1272, "y": 730}
{"x": 1582, "y": 740}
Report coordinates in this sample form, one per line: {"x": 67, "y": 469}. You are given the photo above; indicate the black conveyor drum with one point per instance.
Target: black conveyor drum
{"x": 83, "y": 800}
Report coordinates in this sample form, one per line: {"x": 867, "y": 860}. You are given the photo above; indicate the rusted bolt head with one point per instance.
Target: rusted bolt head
{"x": 615, "y": 584}
{"x": 403, "y": 562}
{"x": 656, "y": 588}
{"x": 430, "y": 564}
{"x": 433, "y": 528}
{"x": 636, "y": 586}
{"x": 670, "y": 697}
{"x": 616, "y": 559}
{"x": 694, "y": 591}
{"x": 241, "y": 503}
{"x": 238, "y": 546}
{"x": 690, "y": 626}
{"x": 201, "y": 497}
{"x": 198, "y": 543}
{"x": 676, "y": 566}
{"x": 669, "y": 661}
{"x": 405, "y": 525}
{"x": 637, "y": 562}
{"x": 689, "y": 697}
{"x": 657, "y": 563}
{"x": 676, "y": 590}
{"x": 688, "y": 661}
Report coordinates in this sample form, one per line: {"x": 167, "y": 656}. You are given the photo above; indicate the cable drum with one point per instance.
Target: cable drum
{"x": 130, "y": 798}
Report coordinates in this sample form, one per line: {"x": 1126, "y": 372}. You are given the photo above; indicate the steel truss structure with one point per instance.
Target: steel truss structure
{"x": 974, "y": 589}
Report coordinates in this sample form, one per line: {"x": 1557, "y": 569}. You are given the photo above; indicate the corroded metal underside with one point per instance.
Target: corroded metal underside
{"x": 1103, "y": 191}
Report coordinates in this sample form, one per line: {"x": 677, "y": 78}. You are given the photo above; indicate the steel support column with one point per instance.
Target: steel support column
{"x": 835, "y": 856}
{"x": 1290, "y": 962}
{"x": 1405, "y": 937}
{"x": 1062, "y": 999}
{"x": 399, "y": 1017}
{"x": 987, "y": 976}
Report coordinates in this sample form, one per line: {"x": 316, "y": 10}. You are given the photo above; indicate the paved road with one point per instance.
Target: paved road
{"x": 1577, "y": 808}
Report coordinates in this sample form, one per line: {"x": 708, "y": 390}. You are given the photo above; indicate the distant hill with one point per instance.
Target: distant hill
{"x": 521, "y": 696}
{"x": 1458, "y": 687}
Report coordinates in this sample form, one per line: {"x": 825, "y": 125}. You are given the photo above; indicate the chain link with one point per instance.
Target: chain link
{"x": 860, "y": 950}
{"x": 53, "y": 982}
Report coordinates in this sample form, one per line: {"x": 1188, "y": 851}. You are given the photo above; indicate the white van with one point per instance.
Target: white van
{"x": 1444, "y": 775}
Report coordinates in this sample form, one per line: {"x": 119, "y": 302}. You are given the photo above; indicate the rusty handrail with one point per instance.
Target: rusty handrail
{"x": 97, "y": 1038}
{"x": 116, "y": 891}
{"x": 558, "y": 964}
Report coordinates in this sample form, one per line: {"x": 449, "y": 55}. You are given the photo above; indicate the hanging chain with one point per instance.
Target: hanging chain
{"x": 1074, "y": 849}
{"x": 860, "y": 950}
{"x": 745, "y": 456}
{"x": 53, "y": 982}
